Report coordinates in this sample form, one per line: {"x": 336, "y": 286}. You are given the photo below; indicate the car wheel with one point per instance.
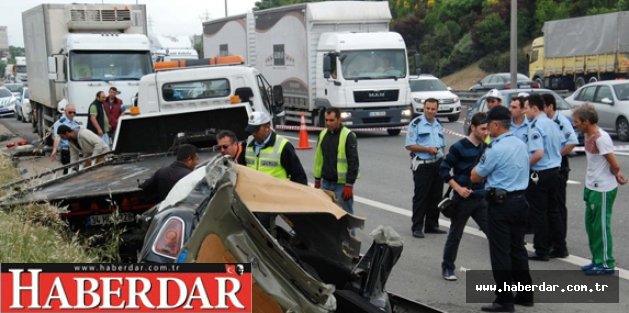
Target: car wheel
{"x": 580, "y": 82}
{"x": 18, "y": 116}
{"x": 454, "y": 118}
{"x": 622, "y": 129}
{"x": 394, "y": 132}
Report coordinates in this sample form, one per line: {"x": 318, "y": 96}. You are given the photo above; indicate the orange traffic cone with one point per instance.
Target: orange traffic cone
{"x": 303, "y": 135}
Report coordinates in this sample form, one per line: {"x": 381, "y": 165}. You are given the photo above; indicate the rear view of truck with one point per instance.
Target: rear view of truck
{"x": 76, "y": 50}
{"x": 581, "y": 50}
{"x": 325, "y": 54}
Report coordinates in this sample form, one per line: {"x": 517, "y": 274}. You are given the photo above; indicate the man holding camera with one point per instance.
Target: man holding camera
{"x": 505, "y": 164}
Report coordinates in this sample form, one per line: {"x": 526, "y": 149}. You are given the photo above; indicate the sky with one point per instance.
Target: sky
{"x": 166, "y": 17}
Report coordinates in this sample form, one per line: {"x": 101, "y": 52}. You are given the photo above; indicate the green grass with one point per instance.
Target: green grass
{"x": 34, "y": 233}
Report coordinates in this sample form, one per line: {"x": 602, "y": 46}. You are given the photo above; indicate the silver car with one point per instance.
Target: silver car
{"x": 7, "y": 102}
{"x": 611, "y": 100}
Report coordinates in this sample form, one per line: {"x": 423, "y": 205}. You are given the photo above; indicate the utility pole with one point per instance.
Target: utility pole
{"x": 513, "y": 68}
{"x": 225, "y": 8}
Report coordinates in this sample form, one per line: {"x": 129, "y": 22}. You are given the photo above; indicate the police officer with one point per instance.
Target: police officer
{"x": 59, "y": 144}
{"x": 558, "y": 248}
{"x": 519, "y": 122}
{"x": 506, "y": 166}
{"x": 544, "y": 142}
{"x": 271, "y": 153}
{"x": 425, "y": 141}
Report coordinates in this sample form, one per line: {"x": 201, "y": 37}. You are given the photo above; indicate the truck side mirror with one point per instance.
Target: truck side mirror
{"x": 417, "y": 60}
{"x": 327, "y": 65}
{"x": 278, "y": 96}
{"x": 52, "y": 68}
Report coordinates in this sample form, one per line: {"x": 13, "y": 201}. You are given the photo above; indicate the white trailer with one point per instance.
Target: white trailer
{"x": 324, "y": 54}
{"x": 76, "y": 50}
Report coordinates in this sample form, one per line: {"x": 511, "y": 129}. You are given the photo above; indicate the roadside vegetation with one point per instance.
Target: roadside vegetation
{"x": 452, "y": 34}
{"x": 34, "y": 233}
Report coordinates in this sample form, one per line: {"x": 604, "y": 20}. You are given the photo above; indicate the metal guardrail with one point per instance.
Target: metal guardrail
{"x": 469, "y": 97}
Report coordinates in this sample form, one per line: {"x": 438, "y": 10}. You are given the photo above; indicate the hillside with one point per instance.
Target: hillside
{"x": 465, "y": 78}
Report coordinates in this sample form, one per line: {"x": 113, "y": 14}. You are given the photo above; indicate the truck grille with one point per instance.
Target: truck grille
{"x": 100, "y": 15}
{"x": 376, "y": 95}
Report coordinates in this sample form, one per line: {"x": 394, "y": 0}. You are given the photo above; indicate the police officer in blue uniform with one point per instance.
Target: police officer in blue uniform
{"x": 519, "y": 122}
{"x": 425, "y": 141}
{"x": 505, "y": 165}
{"x": 545, "y": 141}
{"x": 60, "y": 144}
{"x": 558, "y": 247}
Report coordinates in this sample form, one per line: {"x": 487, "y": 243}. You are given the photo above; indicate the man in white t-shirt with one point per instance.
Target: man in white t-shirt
{"x": 601, "y": 185}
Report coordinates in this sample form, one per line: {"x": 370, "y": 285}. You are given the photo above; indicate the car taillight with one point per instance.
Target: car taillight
{"x": 535, "y": 85}
{"x": 508, "y": 86}
{"x": 170, "y": 238}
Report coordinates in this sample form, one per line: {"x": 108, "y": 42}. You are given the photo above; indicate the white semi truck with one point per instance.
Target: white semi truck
{"x": 325, "y": 54}
{"x": 19, "y": 69}
{"x": 76, "y": 50}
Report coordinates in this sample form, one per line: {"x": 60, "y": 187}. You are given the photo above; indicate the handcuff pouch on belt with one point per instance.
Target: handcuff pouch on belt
{"x": 496, "y": 196}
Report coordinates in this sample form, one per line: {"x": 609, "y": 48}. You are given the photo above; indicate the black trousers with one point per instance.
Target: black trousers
{"x": 65, "y": 158}
{"x": 428, "y": 192}
{"x": 509, "y": 259}
{"x": 544, "y": 211}
{"x": 471, "y": 207}
{"x": 559, "y": 244}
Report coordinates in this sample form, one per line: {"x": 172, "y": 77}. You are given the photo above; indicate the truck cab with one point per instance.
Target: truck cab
{"x": 536, "y": 61}
{"x": 96, "y": 62}
{"x": 365, "y": 75}
{"x": 207, "y": 86}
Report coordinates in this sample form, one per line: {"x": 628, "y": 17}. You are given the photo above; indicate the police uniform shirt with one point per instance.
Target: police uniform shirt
{"x": 521, "y": 132}
{"x": 505, "y": 164}
{"x": 73, "y": 124}
{"x": 545, "y": 135}
{"x": 422, "y": 133}
{"x": 565, "y": 127}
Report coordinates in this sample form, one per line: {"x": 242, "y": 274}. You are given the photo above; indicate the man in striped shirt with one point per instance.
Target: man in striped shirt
{"x": 469, "y": 197}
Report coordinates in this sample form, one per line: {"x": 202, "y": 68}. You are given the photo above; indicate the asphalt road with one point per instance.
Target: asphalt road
{"x": 383, "y": 196}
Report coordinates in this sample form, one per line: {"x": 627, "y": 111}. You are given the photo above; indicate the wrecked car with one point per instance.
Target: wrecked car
{"x": 308, "y": 260}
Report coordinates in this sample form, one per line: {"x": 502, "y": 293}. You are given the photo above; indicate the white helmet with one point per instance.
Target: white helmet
{"x": 494, "y": 93}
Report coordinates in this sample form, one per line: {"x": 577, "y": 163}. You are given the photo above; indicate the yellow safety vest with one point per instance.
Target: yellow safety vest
{"x": 269, "y": 159}
{"x": 341, "y": 156}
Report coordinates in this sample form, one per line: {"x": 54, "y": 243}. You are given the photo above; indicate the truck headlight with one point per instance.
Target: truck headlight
{"x": 406, "y": 113}
{"x": 346, "y": 115}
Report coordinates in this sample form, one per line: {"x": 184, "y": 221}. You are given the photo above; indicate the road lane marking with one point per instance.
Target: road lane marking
{"x": 572, "y": 259}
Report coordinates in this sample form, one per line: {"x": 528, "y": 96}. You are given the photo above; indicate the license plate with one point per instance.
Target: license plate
{"x": 105, "y": 219}
{"x": 375, "y": 114}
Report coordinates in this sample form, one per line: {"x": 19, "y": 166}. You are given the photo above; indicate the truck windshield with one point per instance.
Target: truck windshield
{"x": 373, "y": 64}
{"x": 109, "y": 65}
{"x": 20, "y": 68}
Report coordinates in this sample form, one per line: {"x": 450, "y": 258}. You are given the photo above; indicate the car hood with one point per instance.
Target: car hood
{"x": 444, "y": 94}
{"x": 6, "y": 101}
{"x": 318, "y": 231}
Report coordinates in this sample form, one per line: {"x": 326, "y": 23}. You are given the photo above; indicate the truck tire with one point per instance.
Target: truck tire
{"x": 622, "y": 129}
{"x": 580, "y": 82}
{"x": 40, "y": 122}
{"x": 592, "y": 79}
{"x": 394, "y": 132}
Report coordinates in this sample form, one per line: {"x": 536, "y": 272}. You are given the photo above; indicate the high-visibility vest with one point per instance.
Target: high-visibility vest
{"x": 269, "y": 159}
{"x": 341, "y": 156}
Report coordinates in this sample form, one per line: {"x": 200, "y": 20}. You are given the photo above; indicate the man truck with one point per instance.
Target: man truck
{"x": 581, "y": 50}
{"x": 75, "y": 50}
{"x": 325, "y": 54}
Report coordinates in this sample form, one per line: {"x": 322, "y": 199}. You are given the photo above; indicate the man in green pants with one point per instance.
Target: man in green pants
{"x": 601, "y": 185}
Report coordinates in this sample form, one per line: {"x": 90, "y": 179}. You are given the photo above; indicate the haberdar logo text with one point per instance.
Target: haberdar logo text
{"x": 112, "y": 288}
